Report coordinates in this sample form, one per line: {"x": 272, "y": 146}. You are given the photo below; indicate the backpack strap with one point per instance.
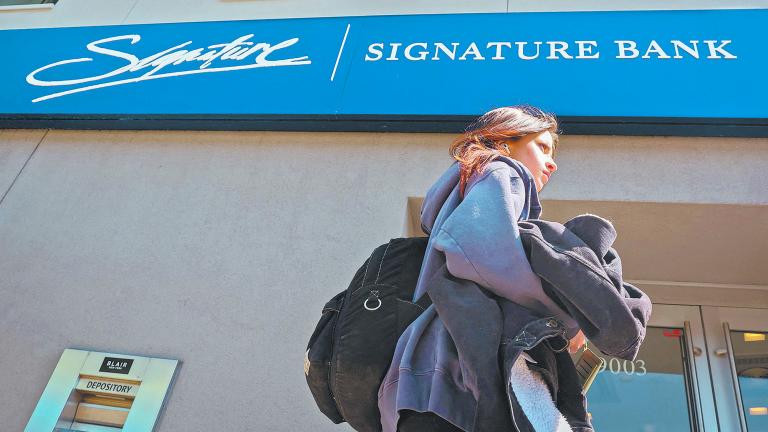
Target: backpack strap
{"x": 424, "y": 301}
{"x": 403, "y": 254}
{"x": 373, "y": 268}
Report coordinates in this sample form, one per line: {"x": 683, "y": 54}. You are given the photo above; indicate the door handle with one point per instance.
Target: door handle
{"x": 728, "y": 353}
{"x": 693, "y": 376}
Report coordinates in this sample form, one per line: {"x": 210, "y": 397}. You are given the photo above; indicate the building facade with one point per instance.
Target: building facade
{"x": 218, "y": 243}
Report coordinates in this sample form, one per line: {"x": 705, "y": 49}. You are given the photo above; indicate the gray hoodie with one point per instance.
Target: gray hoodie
{"x": 477, "y": 239}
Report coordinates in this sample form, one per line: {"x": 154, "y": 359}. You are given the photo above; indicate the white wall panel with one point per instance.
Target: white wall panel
{"x": 69, "y": 13}
{"x": 217, "y": 10}
{"x": 617, "y": 5}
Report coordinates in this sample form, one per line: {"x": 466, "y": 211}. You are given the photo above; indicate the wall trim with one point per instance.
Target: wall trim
{"x": 631, "y": 126}
{"x": 699, "y": 284}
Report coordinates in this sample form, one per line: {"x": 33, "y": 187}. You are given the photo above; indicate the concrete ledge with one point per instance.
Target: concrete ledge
{"x": 44, "y": 6}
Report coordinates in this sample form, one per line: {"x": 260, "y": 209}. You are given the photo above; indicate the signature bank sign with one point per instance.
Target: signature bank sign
{"x": 650, "y": 63}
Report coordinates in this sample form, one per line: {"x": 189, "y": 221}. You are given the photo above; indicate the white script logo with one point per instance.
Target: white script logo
{"x": 135, "y": 70}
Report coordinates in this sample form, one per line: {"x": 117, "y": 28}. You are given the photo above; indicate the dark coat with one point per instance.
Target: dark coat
{"x": 581, "y": 271}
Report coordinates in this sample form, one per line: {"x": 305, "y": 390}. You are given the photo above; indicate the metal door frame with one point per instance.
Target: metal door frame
{"x": 689, "y": 318}
{"x": 718, "y": 321}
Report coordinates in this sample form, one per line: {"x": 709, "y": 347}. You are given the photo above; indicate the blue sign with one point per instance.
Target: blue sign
{"x": 693, "y": 64}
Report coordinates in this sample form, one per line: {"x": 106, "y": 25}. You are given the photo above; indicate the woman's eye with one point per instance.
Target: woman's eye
{"x": 544, "y": 148}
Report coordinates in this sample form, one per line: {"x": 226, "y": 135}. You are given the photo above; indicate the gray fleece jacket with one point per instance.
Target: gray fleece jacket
{"x": 478, "y": 240}
{"x": 477, "y": 272}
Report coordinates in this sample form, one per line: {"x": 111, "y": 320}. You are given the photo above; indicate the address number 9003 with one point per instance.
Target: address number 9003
{"x": 616, "y": 366}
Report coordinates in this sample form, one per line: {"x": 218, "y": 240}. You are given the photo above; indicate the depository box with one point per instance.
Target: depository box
{"x": 103, "y": 392}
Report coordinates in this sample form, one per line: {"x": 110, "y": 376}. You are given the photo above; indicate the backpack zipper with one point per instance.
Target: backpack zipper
{"x": 511, "y": 409}
{"x": 332, "y": 362}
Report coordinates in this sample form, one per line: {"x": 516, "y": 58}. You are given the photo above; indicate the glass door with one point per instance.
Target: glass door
{"x": 666, "y": 388}
{"x": 738, "y": 353}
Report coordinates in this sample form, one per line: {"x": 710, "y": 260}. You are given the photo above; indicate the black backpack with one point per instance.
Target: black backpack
{"x": 352, "y": 346}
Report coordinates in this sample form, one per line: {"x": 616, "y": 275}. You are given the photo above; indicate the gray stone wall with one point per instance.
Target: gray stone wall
{"x": 220, "y": 248}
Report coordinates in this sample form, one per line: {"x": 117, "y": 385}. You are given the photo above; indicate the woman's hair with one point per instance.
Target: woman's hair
{"x": 484, "y": 140}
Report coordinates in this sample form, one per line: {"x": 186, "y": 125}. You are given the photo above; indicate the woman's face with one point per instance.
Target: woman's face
{"x": 535, "y": 151}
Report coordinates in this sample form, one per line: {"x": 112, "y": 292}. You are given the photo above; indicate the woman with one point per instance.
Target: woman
{"x": 502, "y": 161}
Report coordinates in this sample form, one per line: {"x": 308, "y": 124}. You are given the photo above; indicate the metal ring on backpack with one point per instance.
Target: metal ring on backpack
{"x": 365, "y": 304}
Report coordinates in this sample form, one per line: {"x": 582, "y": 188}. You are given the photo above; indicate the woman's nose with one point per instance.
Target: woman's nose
{"x": 551, "y": 166}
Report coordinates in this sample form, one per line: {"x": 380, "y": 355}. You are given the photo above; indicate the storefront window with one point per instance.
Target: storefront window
{"x": 750, "y": 351}
{"x": 649, "y": 394}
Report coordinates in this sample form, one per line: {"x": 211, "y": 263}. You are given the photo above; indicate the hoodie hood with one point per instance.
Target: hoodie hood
{"x": 446, "y": 188}
{"x": 437, "y": 195}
